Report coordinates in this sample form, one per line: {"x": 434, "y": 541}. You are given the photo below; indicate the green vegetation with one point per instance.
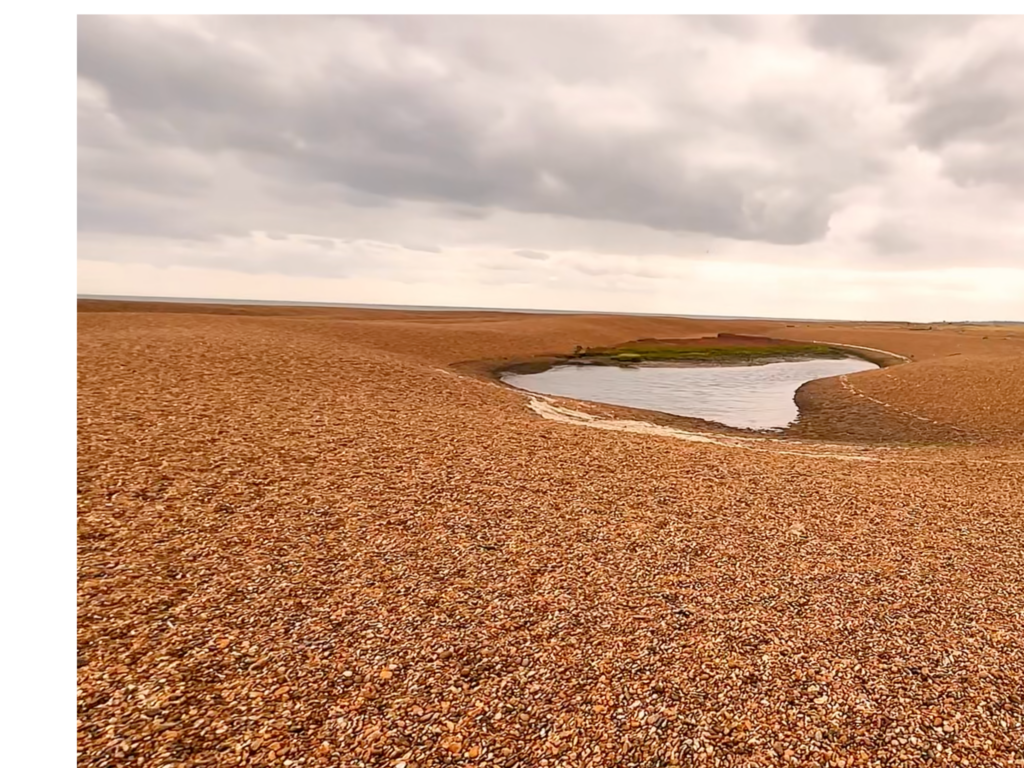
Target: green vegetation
{"x": 634, "y": 353}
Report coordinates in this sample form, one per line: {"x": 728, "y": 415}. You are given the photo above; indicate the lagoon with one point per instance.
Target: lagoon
{"x": 756, "y": 397}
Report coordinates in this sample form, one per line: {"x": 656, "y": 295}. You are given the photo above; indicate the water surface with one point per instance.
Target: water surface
{"x": 747, "y": 396}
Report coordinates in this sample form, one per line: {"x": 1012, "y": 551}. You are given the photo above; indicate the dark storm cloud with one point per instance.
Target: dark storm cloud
{"x": 386, "y": 116}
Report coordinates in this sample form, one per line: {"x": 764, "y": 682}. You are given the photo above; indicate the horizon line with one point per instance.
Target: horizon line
{"x": 513, "y": 310}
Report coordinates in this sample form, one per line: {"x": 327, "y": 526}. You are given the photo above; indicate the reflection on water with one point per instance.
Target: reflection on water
{"x": 750, "y": 397}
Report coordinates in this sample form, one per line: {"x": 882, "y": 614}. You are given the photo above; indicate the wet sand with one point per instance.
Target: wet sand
{"x": 327, "y": 537}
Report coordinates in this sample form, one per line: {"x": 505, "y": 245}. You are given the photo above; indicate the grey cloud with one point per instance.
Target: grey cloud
{"x": 152, "y": 173}
{"x": 978, "y": 100}
{"x": 889, "y": 238}
{"x": 109, "y": 152}
{"x": 624, "y": 135}
{"x": 113, "y": 209}
{"x": 992, "y": 163}
{"x": 405, "y": 130}
{"x": 883, "y": 39}
{"x": 149, "y": 66}
{"x": 973, "y": 117}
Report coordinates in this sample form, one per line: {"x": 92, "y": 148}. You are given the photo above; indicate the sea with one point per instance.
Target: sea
{"x": 434, "y": 308}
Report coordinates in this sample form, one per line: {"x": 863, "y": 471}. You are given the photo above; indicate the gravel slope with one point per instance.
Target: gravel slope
{"x": 305, "y": 541}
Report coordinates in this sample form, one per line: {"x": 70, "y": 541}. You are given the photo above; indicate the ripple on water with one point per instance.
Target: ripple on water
{"x": 748, "y": 397}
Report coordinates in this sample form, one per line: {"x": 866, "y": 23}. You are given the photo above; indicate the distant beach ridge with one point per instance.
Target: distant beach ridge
{"x": 433, "y": 308}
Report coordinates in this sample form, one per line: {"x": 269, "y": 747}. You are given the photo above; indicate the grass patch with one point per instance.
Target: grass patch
{"x": 635, "y": 353}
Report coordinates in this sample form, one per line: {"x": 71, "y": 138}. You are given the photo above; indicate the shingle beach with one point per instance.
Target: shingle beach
{"x": 322, "y": 537}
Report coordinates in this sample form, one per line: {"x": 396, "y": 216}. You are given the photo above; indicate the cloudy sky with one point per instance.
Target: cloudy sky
{"x": 867, "y": 167}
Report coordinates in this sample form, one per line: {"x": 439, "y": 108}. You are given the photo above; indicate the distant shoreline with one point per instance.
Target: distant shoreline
{"x": 514, "y": 310}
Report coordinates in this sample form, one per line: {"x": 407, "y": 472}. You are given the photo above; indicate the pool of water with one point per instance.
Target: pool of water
{"x": 749, "y": 396}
